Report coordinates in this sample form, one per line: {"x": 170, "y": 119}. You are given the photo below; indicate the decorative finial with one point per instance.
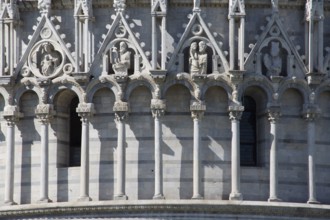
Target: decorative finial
{"x": 197, "y": 6}
{"x": 12, "y": 9}
{"x": 119, "y": 5}
{"x": 275, "y": 6}
{"x": 44, "y": 7}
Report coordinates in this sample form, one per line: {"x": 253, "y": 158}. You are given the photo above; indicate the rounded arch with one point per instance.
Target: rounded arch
{"x": 22, "y": 89}
{"x": 258, "y": 94}
{"x": 222, "y": 84}
{"x": 96, "y": 85}
{"x": 57, "y": 88}
{"x": 261, "y": 83}
{"x": 4, "y": 93}
{"x": 139, "y": 82}
{"x": 300, "y": 85}
{"x": 324, "y": 87}
{"x": 184, "y": 81}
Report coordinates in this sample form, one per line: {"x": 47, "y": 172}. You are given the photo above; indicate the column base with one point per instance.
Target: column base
{"x": 120, "y": 197}
{"x": 10, "y": 203}
{"x": 158, "y": 197}
{"x": 84, "y": 199}
{"x": 197, "y": 197}
{"x": 313, "y": 201}
{"x": 274, "y": 199}
{"x": 236, "y": 196}
{"x": 44, "y": 200}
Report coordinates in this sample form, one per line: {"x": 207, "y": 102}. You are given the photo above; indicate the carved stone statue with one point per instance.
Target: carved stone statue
{"x": 273, "y": 61}
{"x": 44, "y": 6}
{"x": 202, "y": 58}
{"x": 50, "y": 59}
{"x": 193, "y": 60}
{"x": 198, "y": 58}
{"x": 120, "y": 62}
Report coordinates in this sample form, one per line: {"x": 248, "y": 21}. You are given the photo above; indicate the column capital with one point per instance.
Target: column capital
{"x": 158, "y": 107}
{"x": 197, "y": 109}
{"x": 44, "y": 112}
{"x": 121, "y": 111}
{"x": 274, "y": 113}
{"x": 311, "y": 113}
{"x": 235, "y": 112}
{"x": 11, "y": 114}
{"x": 85, "y": 111}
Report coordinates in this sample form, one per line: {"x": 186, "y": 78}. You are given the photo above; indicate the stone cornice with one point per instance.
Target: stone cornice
{"x": 63, "y": 4}
{"x": 171, "y": 207}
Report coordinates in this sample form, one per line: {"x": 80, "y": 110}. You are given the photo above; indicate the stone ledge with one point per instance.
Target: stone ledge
{"x": 112, "y": 208}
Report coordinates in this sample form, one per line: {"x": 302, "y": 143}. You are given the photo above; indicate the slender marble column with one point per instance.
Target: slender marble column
{"x": 197, "y": 117}
{"x": 121, "y": 117}
{"x": 85, "y": 111}
{"x": 43, "y": 113}
{"x": 273, "y": 116}
{"x": 154, "y": 41}
{"x": 157, "y": 114}
{"x": 232, "y": 43}
{"x": 235, "y": 117}
{"x": 11, "y": 116}
{"x": 311, "y": 116}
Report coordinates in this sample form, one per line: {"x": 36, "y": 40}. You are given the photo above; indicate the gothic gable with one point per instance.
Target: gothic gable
{"x": 196, "y": 34}
{"x": 47, "y": 55}
{"x": 274, "y": 53}
{"x": 120, "y": 52}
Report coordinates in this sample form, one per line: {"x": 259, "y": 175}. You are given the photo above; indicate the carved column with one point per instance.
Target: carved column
{"x": 273, "y": 116}
{"x": 85, "y": 112}
{"x": 11, "y": 115}
{"x": 9, "y": 21}
{"x": 44, "y": 114}
{"x": 158, "y": 110}
{"x": 197, "y": 112}
{"x": 311, "y": 114}
{"x": 235, "y": 114}
{"x": 121, "y": 114}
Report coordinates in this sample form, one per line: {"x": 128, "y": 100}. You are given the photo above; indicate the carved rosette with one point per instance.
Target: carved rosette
{"x": 158, "y": 107}
{"x": 274, "y": 114}
{"x": 44, "y": 113}
{"x": 235, "y": 112}
{"x": 311, "y": 113}
{"x": 121, "y": 111}
{"x": 11, "y": 114}
{"x": 85, "y": 111}
{"x": 197, "y": 110}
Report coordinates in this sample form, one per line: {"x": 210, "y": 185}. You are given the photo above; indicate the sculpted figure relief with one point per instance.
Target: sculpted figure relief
{"x": 120, "y": 62}
{"x": 50, "y": 59}
{"x": 198, "y": 59}
{"x": 273, "y": 61}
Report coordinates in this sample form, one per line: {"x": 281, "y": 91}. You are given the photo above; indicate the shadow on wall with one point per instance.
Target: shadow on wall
{"x": 29, "y": 134}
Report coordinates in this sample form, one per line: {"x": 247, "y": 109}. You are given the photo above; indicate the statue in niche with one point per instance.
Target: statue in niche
{"x": 50, "y": 59}
{"x": 120, "y": 62}
{"x": 273, "y": 61}
{"x": 198, "y": 59}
